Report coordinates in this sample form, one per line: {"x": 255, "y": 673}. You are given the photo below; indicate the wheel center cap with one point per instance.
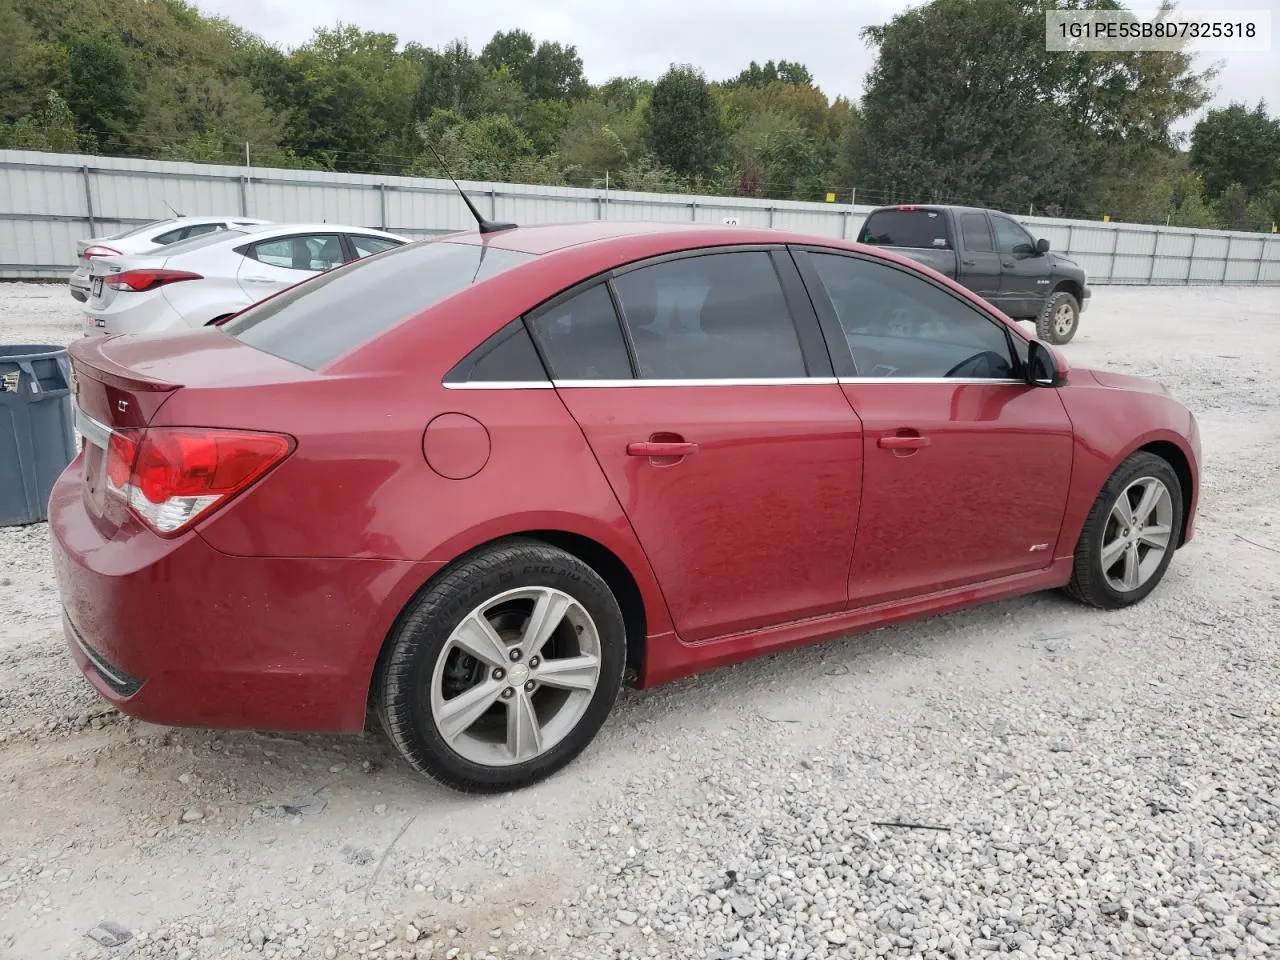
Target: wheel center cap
{"x": 517, "y": 675}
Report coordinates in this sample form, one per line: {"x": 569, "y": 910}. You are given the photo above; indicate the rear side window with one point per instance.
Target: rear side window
{"x": 581, "y": 338}
{"x": 170, "y": 236}
{"x": 717, "y": 316}
{"x": 314, "y": 323}
{"x": 366, "y": 245}
{"x": 906, "y": 228}
{"x": 976, "y": 232}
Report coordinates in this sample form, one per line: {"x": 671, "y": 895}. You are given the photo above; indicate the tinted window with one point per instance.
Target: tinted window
{"x": 906, "y": 228}
{"x": 718, "y": 316}
{"x": 317, "y": 321}
{"x": 508, "y": 356}
{"x": 169, "y": 236}
{"x": 134, "y": 231}
{"x": 202, "y": 228}
{"x": 369, "y": 245}
{"x": 1012, "y": 238}
{"x": 204, "y": 240}
{"x": 976, "y": 233}
{"x": 581, "y": 339}
{"x": 304, "y": 252}
{"x": 901, "y": 325}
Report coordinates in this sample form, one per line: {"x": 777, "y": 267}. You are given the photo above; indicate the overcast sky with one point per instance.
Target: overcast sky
{"x": 643, "y": 37}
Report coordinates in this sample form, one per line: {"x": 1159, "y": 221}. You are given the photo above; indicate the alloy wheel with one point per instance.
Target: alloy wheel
{"x": 515, "y": 676}
{"x": 1138, "y": 534}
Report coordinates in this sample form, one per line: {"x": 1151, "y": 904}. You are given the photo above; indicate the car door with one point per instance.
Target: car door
{"x": 1024, "y": 273}
{"x": 714, "y": 413}
{"x": 270, "y": 265}
{"x": 966, "y": 466}
{"x": 979, "y": 263}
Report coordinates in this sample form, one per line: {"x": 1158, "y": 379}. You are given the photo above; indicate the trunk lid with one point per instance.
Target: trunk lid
{"x": 119, "y": 383}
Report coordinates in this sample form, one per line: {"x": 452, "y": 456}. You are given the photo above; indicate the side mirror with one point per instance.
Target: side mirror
{"x": 1045, "y": 366}
{"x": 1042, "y": 245}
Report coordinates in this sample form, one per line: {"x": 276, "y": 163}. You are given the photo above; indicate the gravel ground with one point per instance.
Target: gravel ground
{"x": 1028, "y": 778}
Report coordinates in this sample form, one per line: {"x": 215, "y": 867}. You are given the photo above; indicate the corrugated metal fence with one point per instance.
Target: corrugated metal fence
{"x": 48, "y": 201}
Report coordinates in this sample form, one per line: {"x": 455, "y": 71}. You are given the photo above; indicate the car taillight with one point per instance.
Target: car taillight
{"x": 139, "y": 280}
{"x": 173, "y": 476}
{"x": 97, "y": 250}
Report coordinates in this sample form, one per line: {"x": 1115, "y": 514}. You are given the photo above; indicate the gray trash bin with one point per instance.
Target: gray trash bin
{"x": 37, "y": 437}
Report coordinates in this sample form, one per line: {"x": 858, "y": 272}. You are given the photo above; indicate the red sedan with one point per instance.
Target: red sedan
{"x": 476, "y": 483}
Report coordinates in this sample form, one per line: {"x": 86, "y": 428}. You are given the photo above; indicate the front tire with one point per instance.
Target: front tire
{"x": 1130, "y": 534}
{"x": 1059, "y": 319}
{"x": 503, "y": 670}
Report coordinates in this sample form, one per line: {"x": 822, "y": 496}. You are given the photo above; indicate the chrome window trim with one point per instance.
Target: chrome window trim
{"x": 852, "y": 381}
{"x": 499, "y": 385}
{"x": 99, "y": 434}
{"x": 727, "y": 382}
{"x": 700, "y": 382}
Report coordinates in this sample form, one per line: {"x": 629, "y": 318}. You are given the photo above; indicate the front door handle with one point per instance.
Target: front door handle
{"x": 1009, "y": 263}
{"x": 902, "y": 443}
{"x": 661, "y": 448}
{"x": 969, "y": 263}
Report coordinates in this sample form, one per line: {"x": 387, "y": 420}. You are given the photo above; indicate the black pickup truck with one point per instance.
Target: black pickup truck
{"x": 991, "y": 254}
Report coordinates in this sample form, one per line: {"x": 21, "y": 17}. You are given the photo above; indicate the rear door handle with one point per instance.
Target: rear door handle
{"x": 660, "y": 448}
{"x": 903, "y": 443}
{"x": 258, "y": 280}
{"x": 1008, "y": 263}
{"x": 968, "y": 263}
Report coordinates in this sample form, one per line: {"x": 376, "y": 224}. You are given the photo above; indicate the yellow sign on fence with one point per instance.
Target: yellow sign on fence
{"x": 831, "y": 198}
{"x": 1106, "y": 218}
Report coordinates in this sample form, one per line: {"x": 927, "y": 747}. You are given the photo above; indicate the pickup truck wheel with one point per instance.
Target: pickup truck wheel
{"x": 1058, "y": 320}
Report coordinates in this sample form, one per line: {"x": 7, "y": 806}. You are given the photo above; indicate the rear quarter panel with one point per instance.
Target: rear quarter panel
{"x": 1111, "y": 424}
{"x": 359, "y": 485}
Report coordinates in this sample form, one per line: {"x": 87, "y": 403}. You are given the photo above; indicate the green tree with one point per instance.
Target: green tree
{"x": 965, "y": 104}
{"x": 99, "y": 87}
{"x": 685, "y": 130}
{"x": 784, "y": 71}
{"x": 1237, "y": 145}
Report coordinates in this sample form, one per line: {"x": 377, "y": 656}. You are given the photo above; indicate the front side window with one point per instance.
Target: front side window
{"x": 901, "y": 325}
{"x": 316, "y": 252}
{"x": 711, "y": 317}
{"x": 1012, "y": 238}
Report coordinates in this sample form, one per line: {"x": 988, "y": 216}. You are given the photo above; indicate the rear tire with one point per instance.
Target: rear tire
{"x": 503, "y": 670}
{"x": 1130, "y": 535}
{"x": 1059, "y": 319}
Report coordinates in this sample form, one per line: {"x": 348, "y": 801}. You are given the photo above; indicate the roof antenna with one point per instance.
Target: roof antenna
{"x": 173, "y": 211}
{"x": 486, "y": 226}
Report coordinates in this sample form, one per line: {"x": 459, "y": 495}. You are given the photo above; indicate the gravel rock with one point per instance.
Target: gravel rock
{"x": 1102, "y": 782}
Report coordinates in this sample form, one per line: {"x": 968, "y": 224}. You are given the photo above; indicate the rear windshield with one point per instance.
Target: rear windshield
{"x": 196, "y": 242}
{"x": 319, "y": 320}
{"x": 906, "y": 228}
{"x": 134, "y": 231}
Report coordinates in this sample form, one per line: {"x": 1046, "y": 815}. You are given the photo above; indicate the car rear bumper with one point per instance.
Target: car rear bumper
{"x": 175, "y": 632}
{"x": 132, "y": 313}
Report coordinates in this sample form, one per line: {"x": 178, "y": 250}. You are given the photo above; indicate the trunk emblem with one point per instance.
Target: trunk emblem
{"x": 122, "y": 405}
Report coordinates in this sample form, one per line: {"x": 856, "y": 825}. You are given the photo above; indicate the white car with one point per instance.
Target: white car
{"x": 157, "y": 233}
{"x": 194, "y": 282}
